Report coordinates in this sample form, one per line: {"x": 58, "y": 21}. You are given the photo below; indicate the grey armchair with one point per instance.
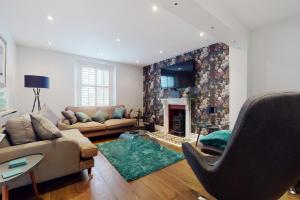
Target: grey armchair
{"x": 262, "y": 158}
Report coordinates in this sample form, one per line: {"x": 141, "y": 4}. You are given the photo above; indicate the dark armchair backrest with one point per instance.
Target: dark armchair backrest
{"x": 264, "y": 150}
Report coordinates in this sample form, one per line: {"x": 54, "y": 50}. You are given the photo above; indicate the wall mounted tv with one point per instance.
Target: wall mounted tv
{"x": 180, "y": 75}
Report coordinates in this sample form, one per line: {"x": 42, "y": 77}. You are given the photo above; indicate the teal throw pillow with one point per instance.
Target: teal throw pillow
{"x": 118, "y": 113}
{"x": 82, "y": 117}
{"x": 217, "y": 139}
{"x": 100, "y": 116}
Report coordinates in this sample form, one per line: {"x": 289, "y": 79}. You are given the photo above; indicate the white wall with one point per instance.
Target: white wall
{"x": 60, "y": 67}
{"x": 10, "y": 64}
{"x": 274, "y": 58}
{"x": 237, "y": 80}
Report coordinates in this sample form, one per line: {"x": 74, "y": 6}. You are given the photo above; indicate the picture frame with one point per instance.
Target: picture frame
{"x": 3, "y": 52}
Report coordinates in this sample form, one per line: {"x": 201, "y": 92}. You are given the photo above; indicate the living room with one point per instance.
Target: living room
{"x": 122, "y": 99}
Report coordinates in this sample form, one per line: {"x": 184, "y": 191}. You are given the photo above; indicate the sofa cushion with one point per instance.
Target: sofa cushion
{"x": 69, "y": 115}
{"x": 87, "y": 127}
{"x": 20, "y": 130}
{"x": 121, "y": 106}
{"x": 89, "y": 110}
{"x": 44, "y": 128}
{"x": 3, "y": 139}
{"x": 118, "y": 113}
{"x": 106, "y": 109}
{"x": 217, "y": 139}
{"x": 87, "y": 149}
{"x": 100, "y": 116}
{"x": 82, "y": 117}
{"x": 119, "y": 123}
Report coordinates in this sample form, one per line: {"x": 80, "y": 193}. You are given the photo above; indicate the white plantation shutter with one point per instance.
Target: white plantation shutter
{"x": 95, "y": 87}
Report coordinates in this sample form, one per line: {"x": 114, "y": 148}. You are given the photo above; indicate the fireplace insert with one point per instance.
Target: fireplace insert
{"x": 177, "y": 120}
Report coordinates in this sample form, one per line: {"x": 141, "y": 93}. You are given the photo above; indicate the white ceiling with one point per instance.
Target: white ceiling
{"x": 90, "y": 27}
{"x": 258, "y": 13}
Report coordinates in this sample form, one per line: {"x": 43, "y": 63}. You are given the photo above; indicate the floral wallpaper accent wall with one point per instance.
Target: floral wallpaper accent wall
{"x": 211, "y": 86}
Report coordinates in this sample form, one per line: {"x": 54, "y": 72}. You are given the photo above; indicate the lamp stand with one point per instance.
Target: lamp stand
{"x": 37, "y": 98}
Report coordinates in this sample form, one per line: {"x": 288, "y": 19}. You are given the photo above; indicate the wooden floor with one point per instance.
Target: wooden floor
{"x": 174, "y": 182}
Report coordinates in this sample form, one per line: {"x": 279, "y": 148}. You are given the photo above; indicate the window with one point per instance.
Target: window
{"x": 94, "y": 85}
{"x": 167, "y": 81}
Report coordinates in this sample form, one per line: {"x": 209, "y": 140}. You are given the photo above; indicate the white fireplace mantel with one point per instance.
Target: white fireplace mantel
{"x": 178, "y": 101}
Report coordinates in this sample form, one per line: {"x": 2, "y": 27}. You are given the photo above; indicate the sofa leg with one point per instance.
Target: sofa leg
{"x": 90, "y": 172}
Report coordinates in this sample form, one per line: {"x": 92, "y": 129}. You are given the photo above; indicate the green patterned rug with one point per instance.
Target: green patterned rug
{"x": 138, "y": 157}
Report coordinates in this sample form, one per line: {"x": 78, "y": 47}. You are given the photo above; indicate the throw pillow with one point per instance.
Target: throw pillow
{"x": 4, "y": 143}
{"x": 44, "y": 128}
{"x": 217, "y": 139}
{"x": 69, "y": 115}
{"x": 100, "y": 116}
{"x": 118, "y": 113}
{"x": 20, "y": 130}
{"x": 82, "y": 117}
{"x": 49, "y": 114}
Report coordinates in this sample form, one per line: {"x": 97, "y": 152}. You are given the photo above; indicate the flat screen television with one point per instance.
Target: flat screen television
{"x": 180, "y": 75}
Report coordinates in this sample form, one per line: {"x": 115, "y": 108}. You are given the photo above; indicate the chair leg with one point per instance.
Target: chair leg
{"x": 90, "y": 172}
{"x": 292, "y": 190}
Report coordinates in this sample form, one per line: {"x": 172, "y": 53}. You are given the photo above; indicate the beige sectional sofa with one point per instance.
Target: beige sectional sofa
{"x": 63, "y": 156}
{"x": 92, "y": 129}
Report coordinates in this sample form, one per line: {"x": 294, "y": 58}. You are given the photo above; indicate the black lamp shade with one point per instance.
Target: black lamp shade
{"x": 31, "y": 81}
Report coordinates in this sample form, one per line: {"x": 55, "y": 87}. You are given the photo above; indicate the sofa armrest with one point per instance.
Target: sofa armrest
{"x": 87, "y": 148}
{"x": 127, "y": 116}
{"x": 60, "y": 146}
{"x": 61, "y": 158}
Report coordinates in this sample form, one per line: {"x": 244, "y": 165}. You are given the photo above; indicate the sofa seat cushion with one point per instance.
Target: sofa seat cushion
{"x": 88, "y": 126}
{"x": 87, "y": 149}
{"x": 119, "y": 123}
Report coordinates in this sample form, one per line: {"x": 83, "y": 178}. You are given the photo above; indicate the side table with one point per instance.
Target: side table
{"x": 32, "y": 161}
{"x": 209, "y": 127}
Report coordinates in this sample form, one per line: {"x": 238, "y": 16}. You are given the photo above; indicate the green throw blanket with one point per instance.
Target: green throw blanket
{"x": 138, "y": 157}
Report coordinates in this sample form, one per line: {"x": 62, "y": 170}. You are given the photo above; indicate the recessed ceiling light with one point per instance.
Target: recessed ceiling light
{"x": 50, "y": 43}
{"x": 50, "y": 18}
{"x": 201, "y": 34}
{"x": 118, "y": 40}
{"x": 154, "y": 8}
{"x": 137, "y": 61}
{"x": 161, "y": 52}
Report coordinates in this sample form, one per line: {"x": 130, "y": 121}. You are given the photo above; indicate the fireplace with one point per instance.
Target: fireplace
{"x": 177, "y": 120}
{"x": 180, "y": 108}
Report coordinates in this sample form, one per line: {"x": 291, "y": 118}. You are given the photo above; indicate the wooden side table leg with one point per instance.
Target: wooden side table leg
{"x": 32, "y": 177}
{"x": 4, "y": 192}
{"x": 199, "y": 132}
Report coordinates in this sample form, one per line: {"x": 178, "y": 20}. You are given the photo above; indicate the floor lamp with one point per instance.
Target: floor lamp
{"x": 36, "y": 82}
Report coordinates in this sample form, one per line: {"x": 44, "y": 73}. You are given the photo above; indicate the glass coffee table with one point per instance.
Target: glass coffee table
{"x": 32, "y": 161}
